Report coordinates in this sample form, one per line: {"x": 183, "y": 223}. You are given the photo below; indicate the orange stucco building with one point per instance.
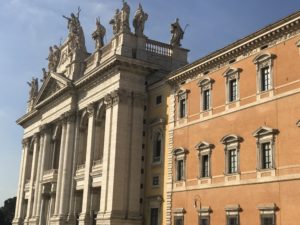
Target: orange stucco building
{"x": 234, "y": 134}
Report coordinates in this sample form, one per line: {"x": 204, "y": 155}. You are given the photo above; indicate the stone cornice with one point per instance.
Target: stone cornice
{"x": 242, "y": 47}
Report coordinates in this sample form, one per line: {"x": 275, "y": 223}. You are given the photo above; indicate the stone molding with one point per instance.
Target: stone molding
{"x": 239, "y": 50}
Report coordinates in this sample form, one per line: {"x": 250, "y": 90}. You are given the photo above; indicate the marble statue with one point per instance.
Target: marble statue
{"x": 139, "y": 20}
{"x": 177, "y": 33}
{"x": 98, "y": 34}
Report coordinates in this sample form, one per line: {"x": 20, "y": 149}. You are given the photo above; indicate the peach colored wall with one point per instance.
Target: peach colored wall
{"x": 280, "y": 111}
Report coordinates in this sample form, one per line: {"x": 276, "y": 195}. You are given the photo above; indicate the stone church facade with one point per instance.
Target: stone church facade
{"x": 132, "y": 134}
{"x": 83, "y": 157}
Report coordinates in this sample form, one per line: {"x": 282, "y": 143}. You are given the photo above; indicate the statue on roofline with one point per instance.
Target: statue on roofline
{"x": 98, "y": 34}
{"x": 120, "y": 21}
{"x": 177, "y": 33}
{"x": 34, "y": 87}
{"x": 53, "y": 58}
{"x": 75, "y": 36}
{"x": 139, "y": 20}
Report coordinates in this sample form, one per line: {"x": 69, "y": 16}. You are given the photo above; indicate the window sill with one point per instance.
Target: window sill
{"x": 204, "y": 180}
{"x": 261, "y": 173}
{"x": 232, "y": 177}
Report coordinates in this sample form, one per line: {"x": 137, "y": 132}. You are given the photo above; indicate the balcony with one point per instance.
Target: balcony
{"x": 50, "y": 176}
{"x": 96, "y": 173}
{"x": 79, "y": 176}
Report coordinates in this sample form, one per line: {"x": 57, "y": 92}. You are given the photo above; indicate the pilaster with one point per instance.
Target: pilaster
{"x": 35, "y": 140}
{"x": 67, "y": 167}
{"x": 18, "y": 218}
{"x": 84, "y": 218}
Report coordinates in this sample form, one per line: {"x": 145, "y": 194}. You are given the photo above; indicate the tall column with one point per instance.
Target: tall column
{"x": 44, "y": 146}
{"x": 71, "y": 214}
{"x": 20, "y": 195}
{"x": 84, "y": 218}
{"x": 33, "y": 175}
{"x": 56, "y": 202}
{"x": 117, "y": 206}
{"x": 67, "y": 168}
{"x": 135, "y": 155}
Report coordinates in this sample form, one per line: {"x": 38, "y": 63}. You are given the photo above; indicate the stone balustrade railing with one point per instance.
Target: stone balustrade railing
{"x": 158, "y": 47}
{"x": 97, "y": 162}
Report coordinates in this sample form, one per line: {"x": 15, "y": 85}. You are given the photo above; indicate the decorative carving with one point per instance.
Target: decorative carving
{"x": 25, "y": 142}
{"x": 45, "y": 75}
{"x": 75, "y": 36}
{"x": 99, "y": 34}
{"x": 177, "y": 33}
{"x": 45, "y": 128}
{"x": 139, "y": 20}
{"x": 34, "y": 88}
{"x": 120, "y": 21}
{"x": 53, "y": 58}
{"x": 108, "y": 100}
{"x": 90, "y": 109}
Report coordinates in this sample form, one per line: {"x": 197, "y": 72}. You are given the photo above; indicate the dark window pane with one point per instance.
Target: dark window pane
{"x": 265, "y": 78}
{"x": 232, "y": 90}
{"x": 154, "y": 216}
{"x": 266, "y": 154}
{"x": 206, "y": 100}
{"x": 205, "y": 166}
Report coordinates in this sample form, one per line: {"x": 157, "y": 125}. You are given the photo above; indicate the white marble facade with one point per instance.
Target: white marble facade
{"x": 83, "y": 131}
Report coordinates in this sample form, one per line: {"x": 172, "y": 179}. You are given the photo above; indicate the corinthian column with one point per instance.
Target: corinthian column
{"x": 20, "y": 195}
{"x": 44, "y": 146}
{"x": 67, "y": 167}
{"x": 33, "y": 175}
{"x": 84, "y": 218}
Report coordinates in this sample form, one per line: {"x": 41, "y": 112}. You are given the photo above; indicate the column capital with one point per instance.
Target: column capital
{"x": 139, "y": 99}
{"x": 44, "y": 128}
{"x": 90, "y": 109}
{"x": 35, "y": 137}
{"x": 25, "y": 142}
{"x": 115, "y": 97}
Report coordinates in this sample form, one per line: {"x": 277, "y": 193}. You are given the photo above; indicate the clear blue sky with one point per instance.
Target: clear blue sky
{"x": 29, "y": 27}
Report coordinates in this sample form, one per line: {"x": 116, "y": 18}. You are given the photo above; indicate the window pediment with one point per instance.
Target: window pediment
{"x": 231, "y": 138}
{"x": 263, "y": 57}
{"x": 179, "y": 151}
{"x": 264, "y": 131}
{"x": 203, "y": 145}
{"x": 232, "y": 72}
{"x": 207, "y": 81}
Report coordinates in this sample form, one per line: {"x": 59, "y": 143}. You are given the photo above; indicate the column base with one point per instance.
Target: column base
{"x": 58, "y": 220}
{"x": 17, "y": 221}
{"x": 34, "y": 221}
{"x": 84, "y": 219}
{"x": 117, "y": 219}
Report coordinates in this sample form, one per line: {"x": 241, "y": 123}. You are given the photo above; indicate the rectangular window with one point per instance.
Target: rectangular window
{"x": 157, "y": 149}
{"x": 266, "y": 155}
{"x": 233, "y": 220}
{"x": 158, "y": 99}
{"x": 178, "y": 220}
{"x": 182, "y": 105}
{"x": 232, "y": 161}
{"x": 265, "y": 78}
{"x": 205, "y": 166}
{"x": 267, "y": 219}
{"x": 155, "y": 181}
{"x": 180, "y": 169}
{"x": 206, "y": 100}
{"x": 203, "y": 220}
{"x": 232, "y": 90}
{"x": 154, "y": 216}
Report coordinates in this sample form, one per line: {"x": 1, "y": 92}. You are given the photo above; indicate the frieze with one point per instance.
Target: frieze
{"x": 245, "y": 51}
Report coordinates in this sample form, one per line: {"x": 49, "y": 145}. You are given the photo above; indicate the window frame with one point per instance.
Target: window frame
{"x": 182, "y": 96}
{"x": 155, "y": 202}
{"x": 232, "y": 74}
{"x": 178, "y": 214}
{"x": 231, "y": 143}
{"x": 204, "y": 213}
{"x": 204, "y": 149}
{"x": 179, "y": 155}
{"x": 157, "y": 159}
{"x": 267, "y": 211}
{"x": 205, "y": 85}
{"x": 265, "y": 135}
{"x": 263, "y": 61}
{"x": 232, "y": 211}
